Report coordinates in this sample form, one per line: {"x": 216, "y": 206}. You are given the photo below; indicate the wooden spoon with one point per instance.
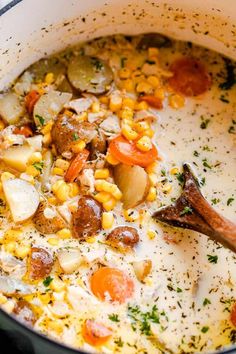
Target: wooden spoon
{"x": 192, "y": 211}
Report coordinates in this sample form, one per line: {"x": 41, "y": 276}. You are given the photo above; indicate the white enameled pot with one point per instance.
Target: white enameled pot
{"x": 31, "y": 29}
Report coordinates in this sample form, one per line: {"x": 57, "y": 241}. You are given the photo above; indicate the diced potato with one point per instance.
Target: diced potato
{"x": 142, "y": 269}
{"x": 10, "y": 108}
{"x": 17, "y": 156}
{"x": 69, "y": 259}
{"x": 35, "y": 142}
{"x": 49, "y": 105}
{"x": 22, "y": 198}
{"x": 133, "y": 182}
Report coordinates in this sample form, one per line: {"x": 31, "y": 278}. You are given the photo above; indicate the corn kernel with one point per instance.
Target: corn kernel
{"x": 176, "y": 101}
{"x": 144, "y": 143}
{"x": 124, "y": 73}
{"x": 129, "y": 133}
{"x": 131, "y": 215}
{"x": 128, "y": 102}
{"x": 110, "y": 204}
{"x": 154, "y": 81}
{"x": 63, "y": 164}
{"x": 116, "y": 193}
{"x": 141, "y": 126}
{"x": 112, "y": 160}
{"x": 22, "y": 251}
{"x": 141, "y": 106}
{"x": 61, "y": 190}
{"x": 108, "y": 187}
{"x": 159, "y": 93}
{"x": 74, "y": 189}
{"x": 91, "y": 240}
{"x": 167, "y": 188}
{"x": 58, "y": 171}
{"x": 78, "y": 146}
{"x": 52, "y": 200}
{"x": 102, "y": 173}
{"x": 104, "y": 99}
{"x": 144, "y": 87}
{"x": 95, "y": 108}
{"x": 3, "y": 299}
{"x": 151, "y": 168}
{"x": 174, "y": 171}
{"x": 35, "y": 157}
{"x": 107, "y": 220}
{"x": 6, "y": 175}
{"x": 45, "y": 298}
{"x": 153, "y": 179}
{"x": 2, "y": 125}
{"x": 153, "y": 52}
{"x": 102, "y": 197}
{"x": 151, "y": 234}
{"x": 32, "y": 171}
{"x": 152, "y": 194}
{"x": 49, "y": 78}
{"x": 115, "y": 102}
{"x": 47, "y": 139}
{"x": 10, "y": 246}
{"x": 12, "y": 235}
{"x": 149, "y": 133}
{"x": 148, "y": 281}
{"x": 126, "y": 113}
{"x": 64, "y": 233}
{"x": 47, "y": 128}
{"x": 53, "y": 241}
{"x": 82, "y": 117}
{"x": 57, "y": 285}
{"x": 128, "y": 85}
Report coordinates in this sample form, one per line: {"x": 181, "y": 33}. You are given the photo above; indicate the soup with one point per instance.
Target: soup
{"x": 93, "y": 141}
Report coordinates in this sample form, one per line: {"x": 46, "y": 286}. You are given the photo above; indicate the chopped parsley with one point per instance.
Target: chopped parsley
{"x": 204, "y": 329}
{"x": 203, "y": 181}
{"x": 119, "y": 342}
{"x": 196, "y": 153}
{"x": 38, "y": 166}
{"x": 206, "y": 302}
{"x": 97, "y": 63}
{"x": 204, "y": 123}
{"x": 215, "y": 201}
{"x": 142, "y": 320}
{"x": 230, "y": 76}
{"x": 230, "y": 201}
{"x": 47, "y": 281}
{"x": 180, "y": 177}
{"x": 114, "y": 317}
{"x": 75, "y": 136}
{"x": 212, "y": 259}
{"x": 186, "y": 210}
{"x": 40, "y": 119}
{"x": 206, "y": 164}
{"x": 179, "y": 290}
{"x": 232, "y": 130}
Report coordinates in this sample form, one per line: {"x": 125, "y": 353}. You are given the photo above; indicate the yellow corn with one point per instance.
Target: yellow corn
{"x": 141, "y": 126}
{"x": 153, "y": 52}
{"x": 153, "y": 179}
{"x": 47, "y": 128}
{"x": 149, "y": 133}
{"x": 151, "y": 234}
{"x": 45, "y": 298}
{"x": 128, "y": 103}
{"x": 63, "y": 164}
{"x": 58, "y": 171}
{"x": 12, "y": 235}
{"x": 6, "y": 175}
{"x": 104, "y": 186}
{"x": 64, "y": 233}
{"x": 102, "y": 197}
{"x": 128, "y": 85}
{"x": 32, "y": 171}
{"x": 35, "y": 157}
{"x": 144, "y": 87}
{"x": 154, "y": 81}
{"x": 57, "y": 285}
{"x": 112, "y": 160}
{"x": 167, "y": 188}
{"x": 151, "y": 168}
{"x": 107, "y": 220}
{"x": 78, "y": 146}
{"x": 174, "y": 171}
{"x": 49, "y": 78}
{"x": 159, "y": 93}
{"x": 110, "y": 204}
{"x": 22, "y": 251}
{"x": 176, "y": 101}
{"x": 144, "y": 143}
{"x": 115, "y": 102}
{"x": 126, "y": 113}
{"x": 82, "y": 117}
{"x": 52, "y": 200}
{"x": 53, "y": 241}
{"x": 104, "y": 99}
{"x": 91, "y": 240}
{"x": 124, "y": 73}
{"x": 74, "y": 189}
{"x": 152, "y": 194}
{"x": 10, "y": 246}
{"x": 47, "y": 139}
{"x": 61, "y": 190}
{"x": 141, "y": 106}
{"x": 2, "y": 125}
{"x": 3, "y": 299}
{"x": 102, "y": 173}
{"x": 131, "y": 215}
{"x": 128, "y": 132}
{"x": 95, "y": 108}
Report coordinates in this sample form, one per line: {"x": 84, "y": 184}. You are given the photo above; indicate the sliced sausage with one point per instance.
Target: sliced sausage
{"x": 23, "y": 311}
{"x": 98, "y": 145}
{"x": 40, "y": 263}
{"x": 67, "y": 130}
{"x": 86, "y": 220}
{"x": 47, "y": 225}
{"x": 123, "y": 236}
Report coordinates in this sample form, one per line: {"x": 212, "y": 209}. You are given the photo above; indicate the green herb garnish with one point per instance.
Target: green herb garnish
{"x": 230, "y": 201}
{"x": 38, "y": 166}
{"x": 215, "y": 201}
{"x": 47, "y": 281}
{"x": 204, "y": 329}
{"x": 179, "y": 290}
{"x": 204, "y": 123}
{"x": 41, "y": 119}
{"x": 230, "y": 76}
{"x": 180, "y": 177}
{"x": 206, "y": 302}
{"x": 75, "y": 136}
{"x": 206, "y": 163}
{"x": 212, "y": 259}
{"x": 186, "y": 210}
{"x": 119, "y": 342}
{"x": 114, "y": 317}
{"x": 196, "y": 153}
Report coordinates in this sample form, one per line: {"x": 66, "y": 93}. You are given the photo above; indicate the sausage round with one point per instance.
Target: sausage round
{"x": 123, "y": 235}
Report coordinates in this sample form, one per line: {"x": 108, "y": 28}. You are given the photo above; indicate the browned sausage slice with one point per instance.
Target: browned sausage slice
{"x": 23, "y": 311}
{"x": 123, "y": 236}
{"x": 40, "y": 263}
{"x": 86, "y": 220}
{"x": 47, "y": 225}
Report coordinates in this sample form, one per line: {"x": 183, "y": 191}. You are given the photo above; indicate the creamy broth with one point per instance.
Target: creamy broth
{"x": 183, "y": 305}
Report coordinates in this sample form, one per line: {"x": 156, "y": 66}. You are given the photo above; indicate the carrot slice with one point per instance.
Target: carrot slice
{"x": 153, "y": 101}
{"x": 111, "y": 283}
{"x": 126, "y": 152}
{"x": 24, "y": 130}
{"x": 30, "y": 99}
{"x": 76, "y": 166}
{"x": 233, "y": 315}
{"x": 95, "y": 333}
{"x": 190, "y": 77}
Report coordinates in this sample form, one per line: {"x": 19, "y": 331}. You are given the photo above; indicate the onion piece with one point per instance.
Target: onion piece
{"x": 69, "y": 259}
{"x": 11, "y": 108}
{"x": 46, "y": 173}
{"x": 10, "y": 286}
{"x": 142, "y": 269}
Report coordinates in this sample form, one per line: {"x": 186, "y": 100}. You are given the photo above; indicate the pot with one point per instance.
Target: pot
{"x": 32, "y": 29}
